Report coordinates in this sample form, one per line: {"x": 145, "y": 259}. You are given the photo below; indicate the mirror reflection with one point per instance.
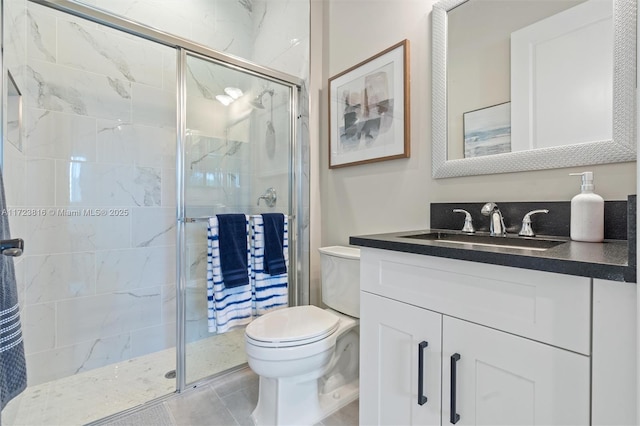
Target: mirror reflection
{"x": 532, "y": 90}
{"x": 528, "y": 74}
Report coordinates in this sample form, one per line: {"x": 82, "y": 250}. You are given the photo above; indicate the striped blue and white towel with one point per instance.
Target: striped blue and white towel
{"x": 270, "y": 291}
{"x": 227, "y": 307}
{"x": 13, "y": 369}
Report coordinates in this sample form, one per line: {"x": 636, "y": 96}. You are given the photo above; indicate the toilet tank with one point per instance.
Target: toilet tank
{"x": 340, "y": 268}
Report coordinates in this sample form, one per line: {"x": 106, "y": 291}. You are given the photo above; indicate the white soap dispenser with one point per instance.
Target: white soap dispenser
{"x": 587, "y": 212}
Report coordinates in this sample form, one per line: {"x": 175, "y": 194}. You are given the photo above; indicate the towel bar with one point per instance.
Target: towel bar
{"x": 206, "y": 218}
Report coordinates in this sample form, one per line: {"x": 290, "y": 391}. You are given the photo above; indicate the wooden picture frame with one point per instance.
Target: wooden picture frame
{"x": 369, "y": 110}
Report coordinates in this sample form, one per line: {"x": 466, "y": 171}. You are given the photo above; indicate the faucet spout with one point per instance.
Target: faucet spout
{"x": 496, "y": 221}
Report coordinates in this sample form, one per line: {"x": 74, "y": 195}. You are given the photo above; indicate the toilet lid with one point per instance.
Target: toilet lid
{"x": 295, "y": 325}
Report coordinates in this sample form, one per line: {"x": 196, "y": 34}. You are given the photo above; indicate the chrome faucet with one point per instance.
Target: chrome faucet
{"x": 527, "y": 230}
{"x": 270, "y": 197}
{"x": 496, "y": 221}
{"x": 468, "y": 221}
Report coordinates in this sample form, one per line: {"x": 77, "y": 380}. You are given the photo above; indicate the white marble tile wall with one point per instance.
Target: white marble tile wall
{"x": 100, "y": 133}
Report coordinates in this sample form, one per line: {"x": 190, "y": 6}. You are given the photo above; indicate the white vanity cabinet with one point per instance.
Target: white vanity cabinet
{"x": 516, "y": 344}
{"x": 390, "y": 348}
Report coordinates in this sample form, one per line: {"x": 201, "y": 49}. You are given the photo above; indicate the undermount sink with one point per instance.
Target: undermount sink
{"x": 470, "y": 240}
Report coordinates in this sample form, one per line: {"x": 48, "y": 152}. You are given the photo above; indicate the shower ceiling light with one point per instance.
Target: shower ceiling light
{"x": 224, "y": 99}
{"x": 234, "y": 92}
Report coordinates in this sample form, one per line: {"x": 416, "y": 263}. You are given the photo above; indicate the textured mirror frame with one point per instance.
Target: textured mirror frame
{"x": 621, "y": 148}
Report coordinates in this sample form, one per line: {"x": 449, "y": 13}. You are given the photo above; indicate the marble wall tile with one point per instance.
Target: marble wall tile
{"x": 92, "y": 317}
{"x": 14, "y": 177}
{"x": 121, "y": 270}
{"x": 162, "y": 14}
{"x": 153, "y": 339}
{"x": 41, "y": 32}
{"x": 68, "y": 360}
{"x": 84, "y": 47}
{"x": 127, "y": 143}
{"x": 39, "y": 327}
{"x": 169, "y": 66}
{"x": 58, "y": 88}
{"x": 19, "y": 267}
{"x": 106, "y": 185}
{"x": 64, "y": 234}
{"x": 153, "y": 107}
{"x": 14, "y": 16}
{"x": 59, "y": 276}
{"x": 196, "y": 233}
{"x": 197, "y": 260}
{"x": 63, "y": 136}
{"x": 281, "y": 36}
{"x": 169, "y": 187}
{"x": 153, "y": 227}
{"x": 206, "y": 117}
{"x": 169, "y": 304}
{"x": 41, "y": 178}
{"x": 196, "y": 303}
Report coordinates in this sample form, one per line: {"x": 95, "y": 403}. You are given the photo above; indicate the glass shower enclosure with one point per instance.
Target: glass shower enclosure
{"x": 128, "y": 138}
{"x": 238, "y": 158}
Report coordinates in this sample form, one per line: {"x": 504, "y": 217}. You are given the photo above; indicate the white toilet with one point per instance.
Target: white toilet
{"x": 307, "y": 357}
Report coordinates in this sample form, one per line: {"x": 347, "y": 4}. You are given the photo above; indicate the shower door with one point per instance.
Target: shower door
{"x": 237, "y": 158}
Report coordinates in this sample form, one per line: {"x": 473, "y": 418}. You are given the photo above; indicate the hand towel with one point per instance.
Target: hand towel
{"x": 269, "y": 291}
{"x": 273, "y": 224}
{"x": 227, "y": 307}
{"x": 233, "y": 249}
{"x": 13, "y": 370}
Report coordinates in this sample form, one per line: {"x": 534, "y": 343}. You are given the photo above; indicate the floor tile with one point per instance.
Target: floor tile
{"x": 346, "y": 416}
{"x": 235, "y": 381}
{"x": 224, "y": 401}
{"x": 200, "y": 406}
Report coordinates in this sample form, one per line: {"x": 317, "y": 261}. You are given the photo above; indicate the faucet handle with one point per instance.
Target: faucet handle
{"x": 527, "y": 230}
{"x": 468, "y": 221}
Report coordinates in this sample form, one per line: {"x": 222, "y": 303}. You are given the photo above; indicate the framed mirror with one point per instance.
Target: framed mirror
{"x": 521, "y": 85}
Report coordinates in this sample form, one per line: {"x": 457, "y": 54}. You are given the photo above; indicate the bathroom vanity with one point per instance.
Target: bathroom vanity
{"x": 457, "y": 333}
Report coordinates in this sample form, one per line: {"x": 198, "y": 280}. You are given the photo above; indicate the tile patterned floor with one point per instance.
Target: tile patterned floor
{"x": 224, "y": 401}
{"x": 101, "y": 392}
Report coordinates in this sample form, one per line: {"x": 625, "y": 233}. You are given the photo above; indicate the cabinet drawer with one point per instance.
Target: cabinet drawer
{"x": 547, "y": 307}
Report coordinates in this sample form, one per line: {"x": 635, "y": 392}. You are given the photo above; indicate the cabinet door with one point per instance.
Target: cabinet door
{"x": 390, "y": 336}
{"x": 503, "y": 379}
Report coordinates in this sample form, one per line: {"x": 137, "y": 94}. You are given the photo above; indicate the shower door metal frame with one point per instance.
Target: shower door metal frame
{"x": 184, "y": 47}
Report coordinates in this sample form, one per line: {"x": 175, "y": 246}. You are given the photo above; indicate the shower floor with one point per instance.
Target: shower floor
{"x": 94, "y": 394}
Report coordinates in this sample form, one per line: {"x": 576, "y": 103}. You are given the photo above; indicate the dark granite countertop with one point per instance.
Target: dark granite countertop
{"x": 608, "y": 260}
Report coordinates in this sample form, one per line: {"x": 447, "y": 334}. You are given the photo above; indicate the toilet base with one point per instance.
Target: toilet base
{"x": 304, "y": 404}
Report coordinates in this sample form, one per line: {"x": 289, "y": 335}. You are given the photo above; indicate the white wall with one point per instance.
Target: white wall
{"x": 395, "y": 195}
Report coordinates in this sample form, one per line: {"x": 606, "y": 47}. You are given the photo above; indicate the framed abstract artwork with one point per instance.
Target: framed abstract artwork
{"x": 369, "y": 110}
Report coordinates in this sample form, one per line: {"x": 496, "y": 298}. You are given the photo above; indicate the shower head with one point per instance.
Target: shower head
{"x": 257, "y": 101}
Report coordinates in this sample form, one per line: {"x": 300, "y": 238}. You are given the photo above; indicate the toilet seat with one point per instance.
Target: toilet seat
{"x": 295, "y": 326}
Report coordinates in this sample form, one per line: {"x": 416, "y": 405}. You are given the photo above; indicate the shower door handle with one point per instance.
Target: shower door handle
{"x": 12, "y": 248}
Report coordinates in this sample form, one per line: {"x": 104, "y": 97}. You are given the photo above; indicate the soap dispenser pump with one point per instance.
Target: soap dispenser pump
{"x": 587, "y": 212}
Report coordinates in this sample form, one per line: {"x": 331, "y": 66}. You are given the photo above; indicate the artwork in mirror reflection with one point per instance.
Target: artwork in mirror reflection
{"x": 487, "y": 131}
